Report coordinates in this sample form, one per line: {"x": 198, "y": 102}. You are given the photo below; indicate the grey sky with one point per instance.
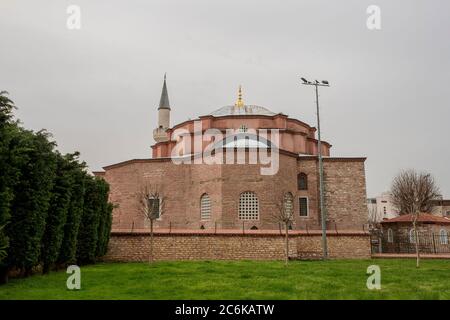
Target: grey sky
{"x": 97, "y": 89}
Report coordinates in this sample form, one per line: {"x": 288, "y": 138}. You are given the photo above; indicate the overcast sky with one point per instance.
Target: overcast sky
{"x": 97, "y": 89}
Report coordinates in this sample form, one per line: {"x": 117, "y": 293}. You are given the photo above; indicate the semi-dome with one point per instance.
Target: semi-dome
{"x": 242, "y": 110}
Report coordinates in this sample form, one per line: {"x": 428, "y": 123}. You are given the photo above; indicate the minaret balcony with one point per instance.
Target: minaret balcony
{"x": 160, "y": 134}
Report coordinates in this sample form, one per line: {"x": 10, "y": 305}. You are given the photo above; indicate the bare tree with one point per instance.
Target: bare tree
{"x": 413, "y": 193}
{"x": 373, "y": 216}
{"x": 151, "y": 203}
{"x": 284, "y": 214}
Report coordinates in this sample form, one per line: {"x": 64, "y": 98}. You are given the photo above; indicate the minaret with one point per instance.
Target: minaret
{"x": 159, "y": 134}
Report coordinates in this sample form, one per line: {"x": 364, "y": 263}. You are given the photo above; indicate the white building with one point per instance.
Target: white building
{"x": 381, "y": 207}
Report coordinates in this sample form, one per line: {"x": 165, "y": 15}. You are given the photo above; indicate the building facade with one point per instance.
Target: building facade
{"x": 382, "y": 208}
{"x": 442, "y": 207}
{"x": 433, "y": 233}
{"x": 200, "y": 194}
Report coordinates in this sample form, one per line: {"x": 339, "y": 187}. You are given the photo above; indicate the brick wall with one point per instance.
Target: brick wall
{"x": 183, "y": 186}
{"x": 232, "y": 245}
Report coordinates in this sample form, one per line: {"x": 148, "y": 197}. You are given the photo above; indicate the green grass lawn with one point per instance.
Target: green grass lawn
{"x": 335, "y": 279}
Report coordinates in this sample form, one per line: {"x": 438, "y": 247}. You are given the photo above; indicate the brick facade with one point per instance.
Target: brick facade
{"x": 232, "y": 245}
{"x": 295, "y": 136}
{"x": 184, "y": 184}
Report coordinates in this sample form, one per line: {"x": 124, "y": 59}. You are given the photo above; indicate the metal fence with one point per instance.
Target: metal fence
{"x": 430, "y": 243}
{"x": 244, "y": 225}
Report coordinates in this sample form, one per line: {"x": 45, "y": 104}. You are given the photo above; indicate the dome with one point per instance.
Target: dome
{"x": 245, "y": 110}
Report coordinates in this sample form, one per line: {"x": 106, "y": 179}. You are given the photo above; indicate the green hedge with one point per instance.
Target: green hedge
{"x": 52, "y": 211}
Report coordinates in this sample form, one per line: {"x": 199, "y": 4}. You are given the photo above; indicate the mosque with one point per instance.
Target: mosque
{"x": 231, "y": 168}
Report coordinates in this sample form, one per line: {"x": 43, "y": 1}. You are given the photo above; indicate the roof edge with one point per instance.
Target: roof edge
{"x": 331, "y": 159}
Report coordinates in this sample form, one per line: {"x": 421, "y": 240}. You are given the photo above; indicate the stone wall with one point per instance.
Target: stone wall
{"x": 346, "y": 245}
{"x": 232, "y": 245}
{"x": 345, "y": 192}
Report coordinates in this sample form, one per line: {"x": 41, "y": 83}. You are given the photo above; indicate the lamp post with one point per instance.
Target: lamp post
{"x": 323, "y": 215}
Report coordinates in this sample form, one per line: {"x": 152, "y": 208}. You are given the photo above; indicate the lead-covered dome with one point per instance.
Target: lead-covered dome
{"x": 242, "y": 110}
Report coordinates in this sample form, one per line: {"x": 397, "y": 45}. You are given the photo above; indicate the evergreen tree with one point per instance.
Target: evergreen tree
{"x": 31, "y": 200}
{"x": 9, "y": 172}
{"x": 9, "y": 176}
{"x": 88, "y": 233}
{"x": 57, "y": 213}
{"x": 67, "y": 252}
{"x": 3, "y": 244}
{"x": 105, "y": 220}
{"x": 6, "y": 108}
{"x": 51, "y": 210}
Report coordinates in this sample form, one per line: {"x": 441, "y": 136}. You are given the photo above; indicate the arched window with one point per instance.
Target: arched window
{"x": 288, "y": 203}
{"x": 205, "y": 207}
{"x": 390, "y": 236}
{"x": 248, "y": 206}
{"x": 412, "y": 236}
{"x": 444, "y": 236}
{"x": 302, "y": 181}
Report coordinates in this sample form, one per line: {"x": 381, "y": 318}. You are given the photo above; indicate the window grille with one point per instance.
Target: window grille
{"x": 205, "y": 207}
{"x": 390, "y": 236}
{"x": 303, "y": 206}
{"x": 288, "y": 203}
{"x": 443, "y": 236}
{"x": 248, "y": 206}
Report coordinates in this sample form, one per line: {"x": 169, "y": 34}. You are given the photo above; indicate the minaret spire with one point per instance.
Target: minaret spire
{"x": 160, "y": 134}
{"x": 239, "y": 102}
{"x": 164, "y": 101}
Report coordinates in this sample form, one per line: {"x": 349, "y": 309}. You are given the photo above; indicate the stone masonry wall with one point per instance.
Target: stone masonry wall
{"x": 232, "y": 245}
{"x": 345, "y": 193}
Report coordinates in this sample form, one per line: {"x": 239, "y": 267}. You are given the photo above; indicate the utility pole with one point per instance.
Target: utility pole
{"x": 323, "y": 214}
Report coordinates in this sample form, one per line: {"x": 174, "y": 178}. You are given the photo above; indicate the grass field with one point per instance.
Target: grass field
{"x": 336, "y": 279}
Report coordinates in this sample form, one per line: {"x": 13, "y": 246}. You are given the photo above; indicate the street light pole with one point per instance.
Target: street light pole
{"x": 323, "y": 214}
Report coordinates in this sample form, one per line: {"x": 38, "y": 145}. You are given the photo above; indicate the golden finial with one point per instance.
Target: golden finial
{"x": 239, "y": 102}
